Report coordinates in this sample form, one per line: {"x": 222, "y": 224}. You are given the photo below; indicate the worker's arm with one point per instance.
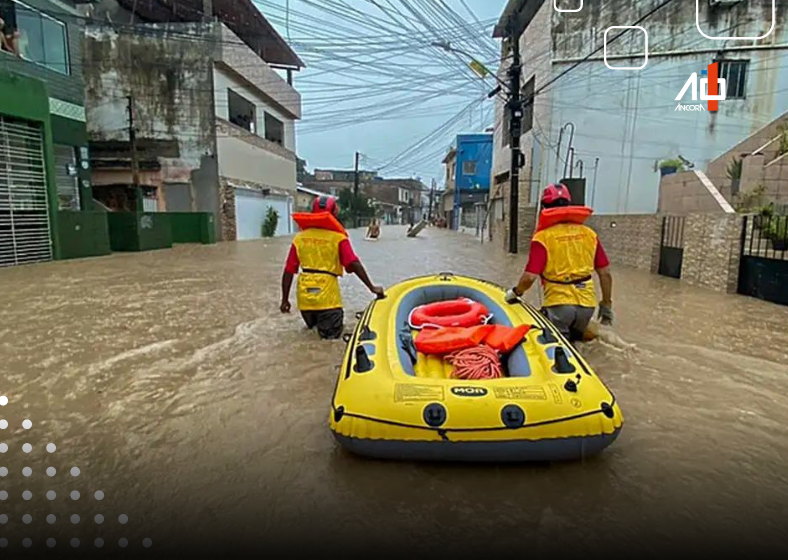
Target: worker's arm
{"x": 352, "y": 264}
{"x": 358, "y": 269}
{"x": 291, "y": 267}
{"x": 287, "y": 282}
{"x": 526, "y": 281}
{"x": 602, "y": 266}
{"x": 537, "y": 259}
{"x": 606, "y": 283}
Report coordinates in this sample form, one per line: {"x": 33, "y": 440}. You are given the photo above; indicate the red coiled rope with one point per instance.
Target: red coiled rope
{"x": 479, "y": 362}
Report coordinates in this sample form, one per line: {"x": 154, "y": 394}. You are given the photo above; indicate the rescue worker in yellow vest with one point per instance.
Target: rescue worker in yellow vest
{"x": 564, "y": 256}
{"x": 322, "y": 255}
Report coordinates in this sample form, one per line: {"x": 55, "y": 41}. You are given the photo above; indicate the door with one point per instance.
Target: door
{"x": 763, "y": 269}
{"x": 24, "y": 205}
{"x": 251, "y": 208}
{"x": 671, "y": 251}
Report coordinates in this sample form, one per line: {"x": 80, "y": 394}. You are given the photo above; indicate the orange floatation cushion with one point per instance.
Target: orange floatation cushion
{"x": 572, "y": 214}
{"x": 446, "y": 340}
{"x": 505, "y": 339}
{"x": 318, "y": 220}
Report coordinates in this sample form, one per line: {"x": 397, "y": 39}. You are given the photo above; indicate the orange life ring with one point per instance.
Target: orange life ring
{"x": 461, "y": 312}
{"x": 562, "y": 214}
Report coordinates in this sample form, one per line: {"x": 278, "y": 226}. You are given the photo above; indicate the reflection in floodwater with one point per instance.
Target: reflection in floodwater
{"x": 170, "y": 379}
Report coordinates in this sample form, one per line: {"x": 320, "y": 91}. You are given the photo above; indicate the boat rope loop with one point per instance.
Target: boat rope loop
{"x": 479, "y": 362}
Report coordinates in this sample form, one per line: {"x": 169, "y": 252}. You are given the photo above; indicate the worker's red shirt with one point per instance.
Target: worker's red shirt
{"x": 537, "y": 258}
{"x": 346, "y": 256}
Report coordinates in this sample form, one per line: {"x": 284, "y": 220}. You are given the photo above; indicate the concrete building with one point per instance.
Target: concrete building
{"x": 629, "y": 119}
{"x": 398, "y": 201}
{"x": 468, "y": 175}
{"x": 46, "y": 206}
{"x": 215, "y": 123}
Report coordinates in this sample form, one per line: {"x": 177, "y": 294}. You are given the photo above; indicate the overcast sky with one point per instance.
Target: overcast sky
{"x": 370, "y": 95}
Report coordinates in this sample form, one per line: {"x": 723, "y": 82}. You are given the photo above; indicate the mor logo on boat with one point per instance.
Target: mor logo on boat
{"x": 469, "y": 391}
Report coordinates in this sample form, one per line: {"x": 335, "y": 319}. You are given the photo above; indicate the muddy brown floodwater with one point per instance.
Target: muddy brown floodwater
{"x": 172, "y": 382}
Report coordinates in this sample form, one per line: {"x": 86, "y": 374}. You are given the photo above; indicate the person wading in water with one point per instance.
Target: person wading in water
{"x": 564, "y": 255}
{"x": 321, "y": 250}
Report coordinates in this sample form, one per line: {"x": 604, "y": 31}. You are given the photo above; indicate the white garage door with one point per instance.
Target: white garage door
{"x": 251, "y": 208}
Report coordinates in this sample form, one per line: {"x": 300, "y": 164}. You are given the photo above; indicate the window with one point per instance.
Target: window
{"x": 274, "y": 129}
{"x": 66, "y": 177}
{"x": 42, "y": 39}
{"x": 469, "y": 168}
{"x": 241, "y": 111}
{"x": 735, "y": 74}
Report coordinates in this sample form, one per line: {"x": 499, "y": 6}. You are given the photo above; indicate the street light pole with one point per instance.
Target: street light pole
{"x": 354, "y": 203}
{"x": 515, "y": 128}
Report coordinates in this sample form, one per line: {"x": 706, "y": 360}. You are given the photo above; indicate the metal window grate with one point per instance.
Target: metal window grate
{"x": 24, "y": 208}
{"x": 735, "y": 74}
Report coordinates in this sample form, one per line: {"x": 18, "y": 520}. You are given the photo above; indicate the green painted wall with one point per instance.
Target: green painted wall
{"x": 83, "y": 234}
{"x": 69, "y": 132}
{"x": 27, "y": 98}
{"x": 192, "y": 227}
{"x": 132, "y": 231}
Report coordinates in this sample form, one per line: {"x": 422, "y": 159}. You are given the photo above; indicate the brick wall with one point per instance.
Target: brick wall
{"x": 684, "y": 193}
{"x": 227, "y": 193}
{"x": 630, "y": 239}
{"x": 712, "y": 250}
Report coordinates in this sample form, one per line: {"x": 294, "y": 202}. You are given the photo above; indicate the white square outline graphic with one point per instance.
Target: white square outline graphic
{"x": 560, "y": 11}
{"x": 625, "y": 67}
{"x": 774, "y": 24}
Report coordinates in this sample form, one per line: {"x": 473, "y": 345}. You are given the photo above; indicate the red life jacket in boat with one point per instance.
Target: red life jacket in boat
{"x": 319, "y": 220}
{"x": 572, "y": 214}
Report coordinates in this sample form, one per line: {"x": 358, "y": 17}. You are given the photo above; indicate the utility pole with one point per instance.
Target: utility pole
{"x": 355, "y": 192}
{"x": 135, "y": 171}
{"x": 515, "y": 128}
{"x": 432, "y": 197}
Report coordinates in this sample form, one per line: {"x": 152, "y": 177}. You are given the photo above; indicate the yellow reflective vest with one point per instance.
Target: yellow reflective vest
{"x": 568, "y": 275}
{"x": 318, "y": 282}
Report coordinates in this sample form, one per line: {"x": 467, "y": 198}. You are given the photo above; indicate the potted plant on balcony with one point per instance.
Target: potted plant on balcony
{"x": 670, "y": 166}
{"x": 777, "y": 231}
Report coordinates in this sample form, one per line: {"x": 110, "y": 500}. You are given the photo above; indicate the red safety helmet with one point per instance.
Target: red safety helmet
{"x": 554, "y": 193}
{"x": 326, "y": 204}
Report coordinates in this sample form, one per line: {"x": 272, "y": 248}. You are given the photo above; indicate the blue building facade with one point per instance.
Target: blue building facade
{"x": 474, "y": 162}
{"x": 471, "y": 177}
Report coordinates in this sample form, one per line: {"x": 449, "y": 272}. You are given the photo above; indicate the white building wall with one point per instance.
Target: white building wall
{"x": 628, "y": 118}
{"x": 238, "y": 159}
{"x": 225, "y": 79}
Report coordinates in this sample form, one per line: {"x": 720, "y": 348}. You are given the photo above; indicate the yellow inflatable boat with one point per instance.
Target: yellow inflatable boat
{"x": 392, "y": 402}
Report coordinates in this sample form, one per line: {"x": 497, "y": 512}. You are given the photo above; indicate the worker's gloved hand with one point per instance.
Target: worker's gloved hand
{"x": 605, "y": 314}
{"x": 511, "y": 296}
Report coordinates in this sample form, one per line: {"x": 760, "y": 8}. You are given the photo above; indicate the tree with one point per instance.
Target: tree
{"x": 301, "y": 172}
{"x": 350, "y": 203}
{"x": 270, "y": 223}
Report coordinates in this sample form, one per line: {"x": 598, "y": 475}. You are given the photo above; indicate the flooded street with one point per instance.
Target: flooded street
{"x": 173, "y": 383}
